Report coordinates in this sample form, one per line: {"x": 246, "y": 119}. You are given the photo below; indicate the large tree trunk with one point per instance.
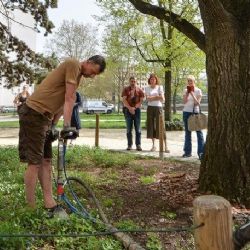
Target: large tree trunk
{"x": 225, "y": 169}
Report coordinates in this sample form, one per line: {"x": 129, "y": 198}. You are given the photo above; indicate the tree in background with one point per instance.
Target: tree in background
{"x": 157, "y": 43}
{"x": 225, "y": 169}
{"x": 24, "y": 64}
{"x": 73, "y": 39}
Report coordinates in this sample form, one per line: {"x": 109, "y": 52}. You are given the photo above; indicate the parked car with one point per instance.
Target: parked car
{"x": 96, "y": 106}
{"x": 8, "y": 109}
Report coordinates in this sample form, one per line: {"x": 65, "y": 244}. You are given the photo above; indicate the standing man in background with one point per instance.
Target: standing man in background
{"x": 132, "y": 97}
{"x": 55, "y": 96}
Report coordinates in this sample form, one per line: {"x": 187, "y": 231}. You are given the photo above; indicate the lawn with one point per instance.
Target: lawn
{"x": 89, "y": 121}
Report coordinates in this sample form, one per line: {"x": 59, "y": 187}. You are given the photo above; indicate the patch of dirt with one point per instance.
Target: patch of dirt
{"x": 164, "y": 203}
{"x": 148, "y": 205}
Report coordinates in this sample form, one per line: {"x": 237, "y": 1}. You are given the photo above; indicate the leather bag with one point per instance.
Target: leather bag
{"x": 197, "y": 121}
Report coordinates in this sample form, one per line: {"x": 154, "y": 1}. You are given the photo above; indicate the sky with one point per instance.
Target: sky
{"x": 80, "y": 10}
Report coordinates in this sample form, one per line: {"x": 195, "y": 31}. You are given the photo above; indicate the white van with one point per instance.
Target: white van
{"x": 96, "y": 106}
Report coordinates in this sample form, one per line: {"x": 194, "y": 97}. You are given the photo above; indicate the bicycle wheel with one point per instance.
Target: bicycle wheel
{"x": 80, "y": 198}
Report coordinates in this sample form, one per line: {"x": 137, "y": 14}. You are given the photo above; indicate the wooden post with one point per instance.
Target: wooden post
{"x": 97, "y": 130}
{"x": 161, "y": 136}
{"x": 216, "y": 234}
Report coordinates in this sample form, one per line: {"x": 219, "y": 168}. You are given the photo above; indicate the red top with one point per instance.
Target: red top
{"x": 133, "y": 95}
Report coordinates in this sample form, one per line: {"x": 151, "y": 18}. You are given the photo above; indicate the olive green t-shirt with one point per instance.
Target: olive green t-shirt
{"x": 49, "y": 96}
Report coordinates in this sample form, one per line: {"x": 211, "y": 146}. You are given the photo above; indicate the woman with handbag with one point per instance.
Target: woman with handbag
{"x": 191, "y": 98}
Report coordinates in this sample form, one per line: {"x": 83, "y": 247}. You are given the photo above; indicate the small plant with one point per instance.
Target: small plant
{"x": 146, "y": 180}
{"x": 153, "y": 242}
{"x": 169, "y": 215}
{"x": 174, "y": 125}
{"x": 126, "y": 224}
{"x": 108, "y": 202}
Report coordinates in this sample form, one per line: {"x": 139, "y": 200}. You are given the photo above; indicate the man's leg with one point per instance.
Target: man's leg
{"x": 137, "y": 124}
{"x": 30, "y": 180}
{"x": 45, "y": 179}
{"x": 44, "y": 176}
{"x": 129, "y": 124}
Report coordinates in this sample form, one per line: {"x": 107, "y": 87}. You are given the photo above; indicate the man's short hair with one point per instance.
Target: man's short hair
{"x": 100, "y": 60}
{"x": 132, "y": 78}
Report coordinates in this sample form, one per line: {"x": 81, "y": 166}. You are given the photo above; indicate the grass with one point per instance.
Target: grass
{"x": 17, "y": 219}
{"x": 146, "y": 180}
{"x": 89, "y": 121}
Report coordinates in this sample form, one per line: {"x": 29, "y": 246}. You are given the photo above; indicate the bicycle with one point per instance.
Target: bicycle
{"x": 72, "y": 191}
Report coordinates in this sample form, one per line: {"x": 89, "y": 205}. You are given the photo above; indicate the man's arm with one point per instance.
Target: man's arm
{"x": 138, "y": 105}
{"x": 70, "y": 97}
{"x": 57, "y": 117}
{"x": 126, "y": 104}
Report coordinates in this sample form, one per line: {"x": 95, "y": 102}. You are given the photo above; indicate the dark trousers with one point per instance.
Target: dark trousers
{"x": 136, "y": 121}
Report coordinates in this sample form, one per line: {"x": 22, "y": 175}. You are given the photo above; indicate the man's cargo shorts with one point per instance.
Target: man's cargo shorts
{"x": 33, "y": 145}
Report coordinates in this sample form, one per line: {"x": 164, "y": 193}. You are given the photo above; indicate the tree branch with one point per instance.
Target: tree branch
{"x": 142, "y": 54}
{"x": 175, "y": 20}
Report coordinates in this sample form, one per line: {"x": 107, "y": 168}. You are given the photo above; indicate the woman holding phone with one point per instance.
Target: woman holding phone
{"x": 191, "y": 99}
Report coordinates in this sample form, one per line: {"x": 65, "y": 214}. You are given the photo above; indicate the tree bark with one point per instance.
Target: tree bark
{"x": 225, "y": 169}
{"x": 168, "y": 77}
{"x": 174, "y": 100}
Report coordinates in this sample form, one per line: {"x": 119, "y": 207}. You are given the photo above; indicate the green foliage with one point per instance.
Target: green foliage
{"x": 126, "y": 224}
{"x": 153, "y": 242}
{"x": 86, "y": 157}
{"x": 24, "y": 64}
{"x": 175, "y": 125}
{"x": 146, "y": 180}
{"x": 169, "y": 215}
{"x": 18, "y": 219}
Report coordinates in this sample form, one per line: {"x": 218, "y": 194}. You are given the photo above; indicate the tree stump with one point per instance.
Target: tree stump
{"x": 215, "y": 212}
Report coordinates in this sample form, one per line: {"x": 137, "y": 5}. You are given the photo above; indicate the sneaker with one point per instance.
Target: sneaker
{"x": 153, "y": 149}
{"x": 57, "y": 212}
{"x": 241, "y": 236}
{"x": 167, "y": 150}
{"x": 129, "y": 148}
{"x": 186, "y": 155}
{"x": 200, "y": 156}
{"x": 138, "y": 148}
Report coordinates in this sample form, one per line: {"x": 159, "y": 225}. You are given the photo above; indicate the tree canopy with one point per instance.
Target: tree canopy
{"x": 17, "y": 61}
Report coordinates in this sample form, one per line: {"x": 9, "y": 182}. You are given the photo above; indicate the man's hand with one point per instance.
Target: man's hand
{"x": 52, "y": 133}
{"x": 132, "y": 110}
{"x": 69, "y": 133}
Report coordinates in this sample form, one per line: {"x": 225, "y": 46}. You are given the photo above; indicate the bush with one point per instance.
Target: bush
{"x": 175, "y": 125}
